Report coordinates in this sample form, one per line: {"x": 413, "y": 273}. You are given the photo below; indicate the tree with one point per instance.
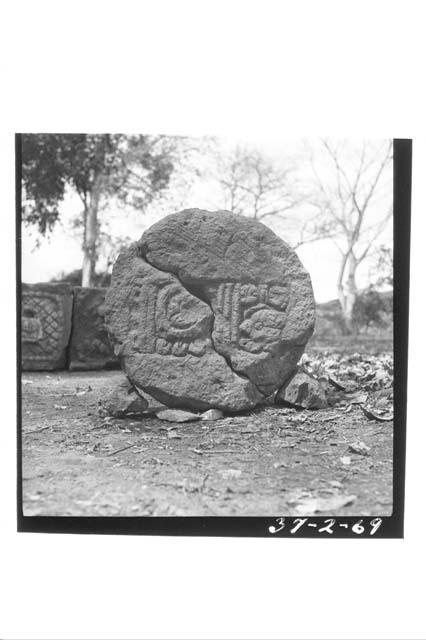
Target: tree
{"x": 382, "y": 267}
{"x": 254, "y": 185}
{"x": 100, "y": 167}
{"x": 372, "y": 309}
{"x": 353, "y": 201}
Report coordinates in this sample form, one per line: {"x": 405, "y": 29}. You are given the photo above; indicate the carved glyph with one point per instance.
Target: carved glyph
{"x": 170, "y": 321}
{"x": 250, "y": 316}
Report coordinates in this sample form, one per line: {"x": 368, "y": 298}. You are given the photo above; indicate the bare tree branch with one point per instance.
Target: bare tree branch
{"x": 347, "y": 200}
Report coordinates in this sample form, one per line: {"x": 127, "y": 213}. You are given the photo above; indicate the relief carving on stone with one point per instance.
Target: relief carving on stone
{"x": 177, "y": 323}
{"x": 41, "y": 324}
{"x": 172, "y": 321}
{"x": 252, "y": 316}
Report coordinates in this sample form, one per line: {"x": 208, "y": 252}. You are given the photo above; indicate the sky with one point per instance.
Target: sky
{"x": 62, "y": 253}
{"x": 46, "y": 258}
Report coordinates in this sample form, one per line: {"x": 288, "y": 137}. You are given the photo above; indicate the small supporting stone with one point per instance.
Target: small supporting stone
{"x": 122, "y": 401}
{"x": 302, "y": 391}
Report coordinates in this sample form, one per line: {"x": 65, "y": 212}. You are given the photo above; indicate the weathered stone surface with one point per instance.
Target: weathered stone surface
{"x": 209, "y": 310}
{"x": 162, "y": 333}
{"x": 90, "y": 347}
{"x": 45, "y": 325}
{"x": 303, "y": 391}
{"x": 122, "y": 401}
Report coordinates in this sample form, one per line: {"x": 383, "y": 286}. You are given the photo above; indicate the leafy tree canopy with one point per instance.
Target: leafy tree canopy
{"x": 131, "y": 168}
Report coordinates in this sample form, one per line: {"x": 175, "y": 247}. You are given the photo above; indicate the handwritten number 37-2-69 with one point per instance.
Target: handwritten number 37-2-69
{"x": 328, "y": 526}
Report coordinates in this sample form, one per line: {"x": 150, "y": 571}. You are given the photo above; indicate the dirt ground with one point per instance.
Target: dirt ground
{"x": 271, "y": 461}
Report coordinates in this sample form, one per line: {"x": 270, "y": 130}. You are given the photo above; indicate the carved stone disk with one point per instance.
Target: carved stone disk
{"x": 209, "y": 310}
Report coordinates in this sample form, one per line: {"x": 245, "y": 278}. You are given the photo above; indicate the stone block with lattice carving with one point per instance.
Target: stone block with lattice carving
{"x": 45, "y": 325}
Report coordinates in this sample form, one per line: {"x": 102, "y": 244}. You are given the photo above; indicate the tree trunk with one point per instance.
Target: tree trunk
{"x": 90, "y": 248}
{"x": 347, "y": 298}
{"x": 351, "y": 293}
{"x": 341, "y": 291}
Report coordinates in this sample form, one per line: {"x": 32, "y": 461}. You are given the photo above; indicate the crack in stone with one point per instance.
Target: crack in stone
{"x": 196, "y": 293}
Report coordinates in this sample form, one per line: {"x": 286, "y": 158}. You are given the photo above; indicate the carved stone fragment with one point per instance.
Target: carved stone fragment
{"x": 90, "y": 347}
{"x": 45, "y": 325}
{"x": 209, "y": 310}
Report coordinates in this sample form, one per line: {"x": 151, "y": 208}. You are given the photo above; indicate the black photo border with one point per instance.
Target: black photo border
{"x": 277, "y": 525}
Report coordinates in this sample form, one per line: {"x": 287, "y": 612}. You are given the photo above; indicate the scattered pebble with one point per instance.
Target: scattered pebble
{"x": 277, "y": 465}
{"x": 359, "y": 447}
{"x": 212, "y": 414}
{"x": 309, "y": 506}
{"x": 230, "y": 473}
{"x": 172, "y": 435}
{"x": 177, "y": 415}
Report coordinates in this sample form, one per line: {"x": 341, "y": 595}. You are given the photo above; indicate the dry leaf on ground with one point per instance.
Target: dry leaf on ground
{"x": 372, "y": 415}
